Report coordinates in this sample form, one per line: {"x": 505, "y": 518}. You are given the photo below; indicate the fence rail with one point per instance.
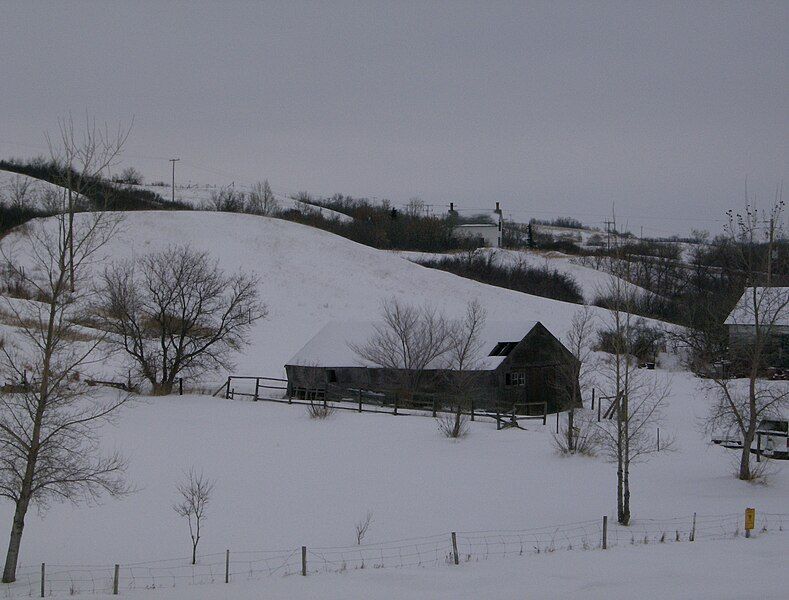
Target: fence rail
{"x": 259, "y": 389}
{"x": 445, "y": 549}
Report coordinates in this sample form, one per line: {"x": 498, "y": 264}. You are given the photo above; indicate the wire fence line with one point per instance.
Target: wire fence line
{"x": 452, "y": 548}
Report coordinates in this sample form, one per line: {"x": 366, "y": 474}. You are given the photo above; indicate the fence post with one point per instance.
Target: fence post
{"x": 592, "y": 398}
{"x": 395, "y": 404}
{"x": 455, "y": 547}
{"x": 115, "y": 580}
{"x": 472, "y": 410}
{"x": 557, "y": 421}
{"x": 304, "y": 561}
{"x": 545, "y": 413}
{"x": 599, "y": 404}
{"x": 498, "y": 419}
{"x": 257, "y": 387}
{"x": 227, "y": 389}
{"x": 227, "y": 565}
{"x": 658, "y": 439}
{"x": 43, "y": 578}
{"x": 434, "y": 406}
{"x": 693, "y": 529}
{"x": 758, "y": 447}
{"x": 180, "y": 386}
{"x": 360, "y": 400}
{"x": 605, "y": 532}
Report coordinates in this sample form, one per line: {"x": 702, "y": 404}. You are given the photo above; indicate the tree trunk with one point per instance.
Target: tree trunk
{"x": 194, "y": 553}
{"x": 745, "y": 455}
{"x": 12, "y": 557}
{"x": 626, "y": 496}
{"x": 163, "y": 388}
{"x": 456, "y": 428}
{"x": 570, "y": 432}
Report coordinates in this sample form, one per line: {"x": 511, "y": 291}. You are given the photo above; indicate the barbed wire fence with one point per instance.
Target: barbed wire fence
{"x": 447, "y": 549}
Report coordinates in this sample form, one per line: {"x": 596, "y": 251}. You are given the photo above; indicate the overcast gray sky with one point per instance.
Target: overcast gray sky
{"x": 559, "y": 108}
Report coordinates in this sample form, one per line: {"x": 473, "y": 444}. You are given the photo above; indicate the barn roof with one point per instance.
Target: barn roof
{"x": 772, "y": 305}
{"x": 331, "y": 346}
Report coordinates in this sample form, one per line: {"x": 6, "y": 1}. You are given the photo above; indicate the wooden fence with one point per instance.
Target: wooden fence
{"x": 266, "y": 389}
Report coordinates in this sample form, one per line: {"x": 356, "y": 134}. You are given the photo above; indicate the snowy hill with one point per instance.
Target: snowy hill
{"x": 199, "y": 196}
{"x": 591, "y": 281}
{"x": 28, "y": 191}
{"x": 284, "y": 479}
{"x": 309, "y": 277}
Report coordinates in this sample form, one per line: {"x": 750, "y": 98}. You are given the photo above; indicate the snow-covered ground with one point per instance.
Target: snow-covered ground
{"x": 309, "y": 277}
{"x": 724, "y": 570}
{"x": 284, "y": 480}
{"x": 591, "y": 281}
{"x": 12, "y": 185}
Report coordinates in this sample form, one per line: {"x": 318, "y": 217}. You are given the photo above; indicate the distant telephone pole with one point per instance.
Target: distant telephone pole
{"x": 608, "y": 225}
{"x": 174, "y": 160}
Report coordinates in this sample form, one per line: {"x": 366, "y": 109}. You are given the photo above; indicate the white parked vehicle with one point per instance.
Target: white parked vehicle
{"x": 774, "y": 434}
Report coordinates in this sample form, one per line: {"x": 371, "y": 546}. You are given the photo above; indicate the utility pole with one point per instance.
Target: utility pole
{"x": 174, "y": 160}
{"x": 608, "y": 233}
{"x": 770, "y": 253}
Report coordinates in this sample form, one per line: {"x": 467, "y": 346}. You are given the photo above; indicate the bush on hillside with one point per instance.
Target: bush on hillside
{"x": 538, "y": 281}
{"x": 103, "y": 194}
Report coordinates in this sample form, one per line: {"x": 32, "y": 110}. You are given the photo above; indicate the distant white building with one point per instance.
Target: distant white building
{"x": 488, "y": 233}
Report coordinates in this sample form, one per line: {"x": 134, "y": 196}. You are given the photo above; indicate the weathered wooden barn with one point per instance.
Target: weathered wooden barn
{"x": 518, "y": 363}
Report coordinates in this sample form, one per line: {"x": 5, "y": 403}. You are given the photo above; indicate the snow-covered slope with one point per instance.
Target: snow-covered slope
{"x": 27, "y": 191}
{"x": 592, "y": 282}
{"x": 284, "y": 480}
{"x": 309, "y": 277}
{"x": 199, "y": 196}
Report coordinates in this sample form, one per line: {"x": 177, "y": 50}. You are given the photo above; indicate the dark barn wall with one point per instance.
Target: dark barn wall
{"x": 546, "y": 364}
{"x": 539, "y": 355}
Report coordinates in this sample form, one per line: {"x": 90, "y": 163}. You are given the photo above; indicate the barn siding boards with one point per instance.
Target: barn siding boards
{"x": 539, "y": 356}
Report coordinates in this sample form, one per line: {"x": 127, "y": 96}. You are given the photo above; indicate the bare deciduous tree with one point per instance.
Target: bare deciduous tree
{"x": 83, "y": 157}
{"x": 415, "y": 207}
{"x": 741, "y": 397}
{"x": 362, "y": 526}
{"x": 261, "y": 200}
{"x": 49, "y": 420}
{"x": 462, "y": 366}
{"x": 573, "y": 379}
{"x": 130, "y": 176}
{"x": 195, "y": 492}
{"x": 407, "y": 342}
{"x": 637, "y": 399}
{"x": 176, "y": 313}
{"x": 19, "y": 192}
{"x": 227, "y": 199}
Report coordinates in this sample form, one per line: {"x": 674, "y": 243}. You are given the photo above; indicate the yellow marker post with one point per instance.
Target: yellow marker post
{"x": 750, "y": 520}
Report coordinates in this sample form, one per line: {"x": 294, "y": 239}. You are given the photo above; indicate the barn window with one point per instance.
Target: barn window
{"x": 503, "y": 348}
{"x": 516, "y": 378}
{"x": 331, "y": 375}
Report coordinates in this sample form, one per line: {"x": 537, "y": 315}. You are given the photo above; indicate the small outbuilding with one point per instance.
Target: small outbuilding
{"x": 768, "y": 309}
{"x": 485, "y": 227}
{"x": 519, "y": 363}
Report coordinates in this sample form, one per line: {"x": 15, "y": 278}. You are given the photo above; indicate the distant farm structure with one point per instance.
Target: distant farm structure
{"x": 485, "y": 227}
{"x": 523, "y": 369}
{"x": 764, "y": 312}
